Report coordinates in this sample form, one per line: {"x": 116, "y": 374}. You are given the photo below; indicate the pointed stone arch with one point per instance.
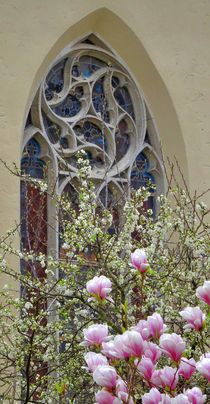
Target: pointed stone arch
{"x": 111, "y": 31}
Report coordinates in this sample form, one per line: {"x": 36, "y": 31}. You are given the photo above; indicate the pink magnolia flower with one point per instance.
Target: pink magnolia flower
{"x": 194, "y": 317}
{"x": 155, "y": 379}
{"x": 105, "y": 376}
{"x": 203, "y": 367}
{"x": 123, "y": 398}
{"x": 95, "y": 334}
{"x": 166, "y": 399}
{"x": 195, "y": 396}
{"x": 99, "y": 286}
{"x": 173, "y": 346}
{"x": 108, "y": 349}
{"x": 207, "y": 355}
{"x": 153, "y": 397}
{"x": 155, "y": 325}
{"x": 168, "y": 377}
{"x": 142, "y": 328}
{"x": 187, "y": 367}
{"x": 139, "y": 260}
{"x": 180, "y": 399}
{"x": 95, "y": 359}
{"x": 121, "y": 386}
{"x": 129, "y": 344}
{"x": 152, "y": 351}
{"x": 122, "y": 392}
{"x": 146, "y": 367}
{"x": 104, "y": 397}
{"x": 203, "y": 292}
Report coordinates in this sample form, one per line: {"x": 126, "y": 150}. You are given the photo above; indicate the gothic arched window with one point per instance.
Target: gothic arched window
{"x": 88, "y": 100}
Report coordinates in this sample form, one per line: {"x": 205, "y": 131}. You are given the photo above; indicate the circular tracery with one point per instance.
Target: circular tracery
{"x": 89, "y": 101}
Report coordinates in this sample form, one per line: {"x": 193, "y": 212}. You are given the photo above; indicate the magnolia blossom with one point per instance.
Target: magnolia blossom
{"x": 99, "y": 286}
{"x": 104, "y": 397}
{"x": 173, "y": 346}
{"x": 203, "y": 292}
{"x": 105, "y": 376}
{"x": 121, "y": 386}
{"x": 194, "y": 317}
{"x": 108, "y": 349}
{"x": 152, "y": 351}
{"x": 180, "y": 399}
{"x": 95, "y": 334}
{"x": 203, "y": 367}
{"x": 93, "y": 360}
{"x": 139, "y": 260}
{"x": 122, "y": 392}
{"x": 146, "y": 367}
{"x": 155, "y": 379}
{"x": 195, "y": 396}
{"x": 168, "y": 377}
{"x": 153, "y": 397}
{"x": 187, "y": 367}
{"x": 156, "y": 326}
{"x": 166, "y": 399}
{"x": 142, "y": 328}
{"x": 123, "y": 398}
{"x": 129, "y": 344}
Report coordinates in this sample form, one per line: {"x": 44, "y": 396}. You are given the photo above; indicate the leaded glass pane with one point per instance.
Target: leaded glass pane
{"x": 87, "y": 66}
{"x": 69, "y": 107}
{"x": 140, "y": 177}
{"x": 122, "y": 140}
{"x": 53, "y": 131}
{"x": 99, "y": 100}
{"x": 123, "y": 98}
{"x": 54, "y": 80}
{"x": 31, "y": 164}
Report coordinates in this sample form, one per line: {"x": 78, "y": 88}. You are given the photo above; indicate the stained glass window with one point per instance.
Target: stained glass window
{"x": 89, "y": 101}
{"x": 33, "y": 205}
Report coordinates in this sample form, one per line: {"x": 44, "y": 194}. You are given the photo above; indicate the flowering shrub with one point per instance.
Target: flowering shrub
{"x": 127, "y": 318}
{"x": 131, "y": 364}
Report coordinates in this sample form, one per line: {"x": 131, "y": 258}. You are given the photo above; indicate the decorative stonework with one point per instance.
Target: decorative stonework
{"x": 89, "y": 101}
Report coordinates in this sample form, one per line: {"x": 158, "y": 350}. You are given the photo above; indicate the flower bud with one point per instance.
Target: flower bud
{"x": 139, "y": 260}
{"x": 203, "y": 292}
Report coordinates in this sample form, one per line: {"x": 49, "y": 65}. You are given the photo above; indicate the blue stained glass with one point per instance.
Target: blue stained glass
{"x": 140, "y": 177}
{"x": 87, "y": 66}
{"x": 54, "y": 80}
{"x": 99, "y": 100}
{"x": 52, "y": 129}
{"x": 69, "y": 107}
{"x": 123, "y": 98}
{"x": 64, "y": 143}
{"x": 31, "y": 164}
{"x": 96, "y": 159}
{"x": 115, "y": 82}
{"x": 75, "y": 71}
{"x": 92, "y": 134}
{"x": 139, "y": 174}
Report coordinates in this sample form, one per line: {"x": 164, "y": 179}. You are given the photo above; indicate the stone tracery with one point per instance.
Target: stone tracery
{"x": 89, "y": 101}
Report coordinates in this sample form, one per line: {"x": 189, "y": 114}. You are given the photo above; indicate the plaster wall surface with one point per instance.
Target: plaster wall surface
{"x": 165, "y": 45}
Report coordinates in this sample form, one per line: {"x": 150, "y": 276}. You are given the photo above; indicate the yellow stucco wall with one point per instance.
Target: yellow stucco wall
{"x": 165, "y": 44}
